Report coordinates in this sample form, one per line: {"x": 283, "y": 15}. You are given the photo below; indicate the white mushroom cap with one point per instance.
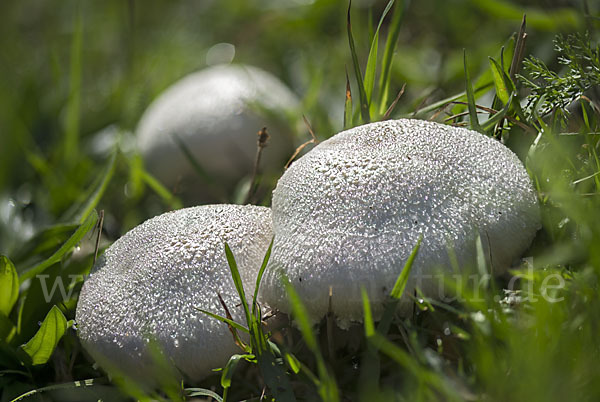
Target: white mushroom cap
{"x": 348, "y": 213}
{"x": 217, "y": 113}
{"x": 148, "y": 283}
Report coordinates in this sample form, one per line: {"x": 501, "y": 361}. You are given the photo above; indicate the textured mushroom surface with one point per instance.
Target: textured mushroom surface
{"x": 348, "y": 213}
{"x": 148, "y": 284}
{"x": 216, "y": 113}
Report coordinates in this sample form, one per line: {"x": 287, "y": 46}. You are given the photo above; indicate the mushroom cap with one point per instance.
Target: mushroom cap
{"x": 147, "y": 285}
{"x": 217, "y": 113}
{"x": 349, "y": 212}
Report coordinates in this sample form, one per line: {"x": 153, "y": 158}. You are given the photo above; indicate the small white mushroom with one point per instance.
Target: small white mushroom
{"x": 216, "y": 113}
{"x": 148, "y": 284}
{"x": 349, "y": 212}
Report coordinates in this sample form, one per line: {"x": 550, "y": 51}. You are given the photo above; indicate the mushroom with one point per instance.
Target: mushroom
{"x": 147, "y": 286}
{"x": 348, "y": 213}
{"x": 215, "y": 113}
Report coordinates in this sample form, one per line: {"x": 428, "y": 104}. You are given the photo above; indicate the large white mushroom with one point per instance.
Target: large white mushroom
{"x": 216, "y": 114}
{"x": 348, "y": 213}
{"x": 147, "y": 285}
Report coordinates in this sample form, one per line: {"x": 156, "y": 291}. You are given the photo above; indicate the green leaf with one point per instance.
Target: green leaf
{"x": 471, "y": 98}
{"x": 390, "y": 44}
{"x": 81, "y": 231}
{"x": 43, "y": 343}
{"x": 364, "y": 103}
{"x": 9, "y": 285}
{"x": 372, "y": 59}
{"x": 400, "y": 284}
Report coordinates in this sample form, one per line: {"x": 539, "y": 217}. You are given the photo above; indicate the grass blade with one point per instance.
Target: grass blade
{"x": 230, "y": 369}
{"x": 227, "y": 321}
{"x": 364, "y": 103}
{"x": 368, "y": 315}
{"x": 471, "y": 98}
{"x": 372, "y": 58}
{"x": 390, "y": 44}
{"x": 9, "y": 285}
{"x": 237, "y": 280}
{"x": 502, "y": 91}
{"x": 327, "y": 387}
{"x": 400, "y": 284}
{"x": 261, "y": 271}
{"x": 43, "y": 343}
{"x": 348, "y": 105}
{"x": 85, "y": 227}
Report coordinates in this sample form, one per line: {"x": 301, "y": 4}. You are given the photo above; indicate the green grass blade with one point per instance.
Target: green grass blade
{"x": 367, "y": 314}
{"x": 348, "y": 123}
{"x": 471, "y": 98}
{"x": 227, "y": 321}
{"x": 502, "y": 91}
{"x": 81, "y": 231}
{"x": 261, "y": 271}
{"x": 9, "y": 285}
{"x": 43, "y": 343}
{"x": 229, "y": 370}
{"x": 71, "y": 141}
{"x": 372, "y": 59}
{"x": 364, "y": 103}
{"x": 327, "y": 387}
{"x": 386, "y": 61}
{"x": 237, "y": 280}
{"x": 400, "y": 284}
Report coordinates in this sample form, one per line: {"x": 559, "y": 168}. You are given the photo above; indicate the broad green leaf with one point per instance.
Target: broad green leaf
{"x": 364, "y": 103}
{"x": 9, "y": 285}
{"x": 471, "y": 98}
{"x": 43, "y": 343}
{"x": 400, "y": 284}
{"x": 85, "y": 227}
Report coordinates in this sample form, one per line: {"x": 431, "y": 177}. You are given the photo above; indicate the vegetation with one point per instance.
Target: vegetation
{"x": 78, "y": 75}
